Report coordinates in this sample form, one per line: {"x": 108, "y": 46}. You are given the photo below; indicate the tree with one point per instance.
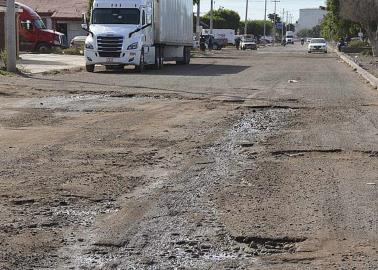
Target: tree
{"x": 90, "y": 4}
{"x": 333, "y": 26}
{"x": 313, "y": 32}
{"x": 256, "y": 27}
{"x": 223, "y": 18}
{"x": 272, "y": 15}
{"x": 364, "y": 12}
{"x": 291, "y": 27}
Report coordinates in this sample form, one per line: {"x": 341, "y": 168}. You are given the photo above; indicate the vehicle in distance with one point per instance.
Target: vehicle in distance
{"x": 33, "y": 34}
{"x": 317, "y": 45}
{"x": 308, "y": 40}
{"x": 139, "y": 33}
{"x": 247, "y": 42}
{"x": 78, "y": 42}
{"x": 289, "y": 37}
{"x": 217, "y": 43}
{"x": 227, "y": 35}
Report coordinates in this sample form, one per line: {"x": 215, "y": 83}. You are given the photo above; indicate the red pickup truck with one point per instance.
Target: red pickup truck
{"x": 33, "y": 34}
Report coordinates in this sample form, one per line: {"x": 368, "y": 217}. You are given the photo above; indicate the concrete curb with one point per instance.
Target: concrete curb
{"x": 362, "y": 72}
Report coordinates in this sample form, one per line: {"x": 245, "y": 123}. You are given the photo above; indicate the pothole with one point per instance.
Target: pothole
{"x": 265, "y": 245}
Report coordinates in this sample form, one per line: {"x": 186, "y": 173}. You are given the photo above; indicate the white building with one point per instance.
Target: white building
{"x": 309, "y": 18}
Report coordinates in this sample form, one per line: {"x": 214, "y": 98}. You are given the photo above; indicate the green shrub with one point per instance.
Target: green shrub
{"x": 367, "y": 52}
{"x": 357, "y": 44}
{"x": 73, "y": 51}
{"x": 3, "y": 59}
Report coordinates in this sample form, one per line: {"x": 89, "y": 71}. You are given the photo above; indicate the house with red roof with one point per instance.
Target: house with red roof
{"x": 65, "y": 16}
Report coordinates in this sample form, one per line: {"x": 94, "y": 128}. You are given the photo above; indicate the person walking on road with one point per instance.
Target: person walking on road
{"x": 237, "y": 43}
{"x": 210, "y": 44}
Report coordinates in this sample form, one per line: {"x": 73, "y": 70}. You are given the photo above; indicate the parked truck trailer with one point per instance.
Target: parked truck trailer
{"x": 139, "y": 33}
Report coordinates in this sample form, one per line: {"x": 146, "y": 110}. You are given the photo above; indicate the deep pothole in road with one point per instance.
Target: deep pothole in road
{"x": 265, "y": 246}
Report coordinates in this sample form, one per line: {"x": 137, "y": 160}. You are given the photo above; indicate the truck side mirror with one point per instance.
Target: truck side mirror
{"x": 27, "y": 25}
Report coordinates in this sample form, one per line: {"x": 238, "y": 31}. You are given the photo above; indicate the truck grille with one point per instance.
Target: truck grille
{"x": 109, "y": 46}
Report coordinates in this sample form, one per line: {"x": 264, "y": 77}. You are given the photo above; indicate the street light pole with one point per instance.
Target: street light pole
{"x": 198, "y": 20}
{"x": 246, "y": 18}
{"x": 283, "y": 24}
{"x": 265, "y": 18}
{"x": 275, "y": 21}
{"x": 211, "y": 17}
{"x": 11, "y": 36}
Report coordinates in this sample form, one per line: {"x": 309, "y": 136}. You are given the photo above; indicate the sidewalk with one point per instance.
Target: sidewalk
{"x": 39, "y": 63}
{"x": 371, "y": 78}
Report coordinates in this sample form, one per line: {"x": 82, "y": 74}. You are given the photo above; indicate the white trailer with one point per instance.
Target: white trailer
{"x": 139, "y": 33}
{"x": 228, "y": 34}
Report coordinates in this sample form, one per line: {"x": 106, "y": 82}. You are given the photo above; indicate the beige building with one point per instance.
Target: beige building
{"x": 309, "y": 18}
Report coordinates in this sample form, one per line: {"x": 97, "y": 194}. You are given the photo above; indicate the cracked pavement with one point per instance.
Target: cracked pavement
{"x": 223, "y": 164}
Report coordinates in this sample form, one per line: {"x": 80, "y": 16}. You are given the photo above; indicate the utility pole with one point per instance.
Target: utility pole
{"x": 283, "y": 24}
{"x": 11, "y": 36}
{"x": 287, "y": 20}
{"x": 246, "y": 18}
{"x": 265, "y": 18}
{"x": 275, "y": 21}
{"x": 198, "y": 21}
{"x": 211, "y": 17}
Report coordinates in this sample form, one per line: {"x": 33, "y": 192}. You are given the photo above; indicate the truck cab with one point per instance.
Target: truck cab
{"x": 289, "y": 37}
{"x": 131, "y": 32}
{"x": 33, "y": 34}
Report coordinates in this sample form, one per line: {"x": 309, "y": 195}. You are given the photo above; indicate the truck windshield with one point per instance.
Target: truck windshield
{"x": 116, "y": 16}
{"x": 39, "y": 24}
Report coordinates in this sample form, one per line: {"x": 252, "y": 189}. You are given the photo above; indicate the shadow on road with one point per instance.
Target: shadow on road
{"x": 186, "y": 70}
{"x": 42, "y": 62}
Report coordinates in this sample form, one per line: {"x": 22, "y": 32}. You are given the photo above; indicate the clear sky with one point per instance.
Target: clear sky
{"x": 256, "y": 7}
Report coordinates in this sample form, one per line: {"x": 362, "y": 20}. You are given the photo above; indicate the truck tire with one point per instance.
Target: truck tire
{"x": 90, "y": 68}
{"x": 141, "y": 66}
{"x": 186, "y": 57}
{"x": 158, "y": 58}
{"x": 187, "y": 51}
{"x": 43, "y": 48}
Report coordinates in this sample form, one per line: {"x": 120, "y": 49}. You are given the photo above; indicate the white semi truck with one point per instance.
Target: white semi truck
{"x": 139, "y": 33}
{"x": 289, "y": 37}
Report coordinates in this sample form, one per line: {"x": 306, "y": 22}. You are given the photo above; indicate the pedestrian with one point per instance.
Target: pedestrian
{"x": 202, "y": 43}
{"x": 340, "y": 44}
{"x": 237, "y": 43}
{"x": 211, "y": 43}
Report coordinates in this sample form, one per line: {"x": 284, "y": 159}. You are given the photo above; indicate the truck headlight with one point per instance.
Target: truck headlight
{"x": 133, "y": 46}
{"x": 89, "y": 45}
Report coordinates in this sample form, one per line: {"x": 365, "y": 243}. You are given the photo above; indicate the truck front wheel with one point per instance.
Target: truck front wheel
{"x": 159, "y": 62}
{"x": 43, "y": 48}
{"x": 90, "y": 68}
{"x": 140, "y": 68}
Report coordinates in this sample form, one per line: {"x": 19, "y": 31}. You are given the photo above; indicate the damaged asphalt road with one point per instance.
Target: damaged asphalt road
{"x": 222, "y": 164}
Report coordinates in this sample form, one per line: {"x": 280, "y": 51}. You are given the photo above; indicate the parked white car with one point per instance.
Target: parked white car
{"x": 248, "y": 42}
{"x": 317, "y": 45}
